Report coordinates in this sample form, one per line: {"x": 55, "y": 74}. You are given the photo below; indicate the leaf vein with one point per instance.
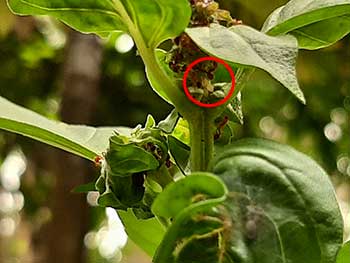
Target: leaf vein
{"x": 65, "y": 9}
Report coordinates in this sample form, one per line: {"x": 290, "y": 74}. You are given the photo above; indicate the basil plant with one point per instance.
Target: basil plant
{"x": 186, "y": 190}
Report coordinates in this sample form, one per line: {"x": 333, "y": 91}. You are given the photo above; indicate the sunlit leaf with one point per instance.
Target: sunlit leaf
{"x": 316, "y": 24}
{"x": 147, "y": 234}
{"x": 161, "y": 56}
{"x": 344, "y": 254}
{"x": 182, "y": 131}
{"x": 81, "y": 140}
{"x": 248, "y": 47}
{"x": 168, "y": 125}
{"x": 149, "y": 19}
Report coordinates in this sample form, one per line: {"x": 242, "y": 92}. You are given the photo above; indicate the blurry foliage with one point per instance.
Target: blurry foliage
{"x": 30, "y": 75}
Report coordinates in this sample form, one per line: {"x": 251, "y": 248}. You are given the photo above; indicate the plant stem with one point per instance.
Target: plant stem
{"x": 147, "y": 53}
{"x": 201, "y": 121}
{"x": 202, "y": 140}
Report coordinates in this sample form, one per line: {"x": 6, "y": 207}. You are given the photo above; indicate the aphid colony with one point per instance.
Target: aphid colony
{"x": 185, "y": 51}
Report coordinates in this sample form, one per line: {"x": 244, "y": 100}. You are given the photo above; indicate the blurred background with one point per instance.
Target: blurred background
{"x": 79, "y": 78}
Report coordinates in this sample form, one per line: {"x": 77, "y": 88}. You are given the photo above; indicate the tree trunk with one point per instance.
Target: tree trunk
{"x": 62, "y": 239}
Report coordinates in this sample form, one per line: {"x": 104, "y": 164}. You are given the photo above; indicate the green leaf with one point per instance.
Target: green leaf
{"x": 194, "y": 188}
{"x": 147, "y": 234}
{"x": 150, "y": 122}
{"x": 85, "y": 188}
{"x": 316, "y": 24}
{"x": 182, "y": 131}
{"x": 287, "y": 204}
{"x": 108, "y": 199}
{"x": 192, "y": 204}
{"x": 246, "y": 46}
{"x": 125, "y": 159}
{"x": 128, "y": 190}
{"x": 152, "y": 19}
{"x": 180, "y": 152}
{"x": 149, "y": 22}
{"x": 155, "y": 18}
{"x": 84, "y": 16}
{"x": 152, "y": 79}
{"x": 234, "y": 110}
{"x": 168, "y": 125}
{"x": 87, "y": 142}
{"x": 344, "y": 254}
{"x": 120, "y": 192}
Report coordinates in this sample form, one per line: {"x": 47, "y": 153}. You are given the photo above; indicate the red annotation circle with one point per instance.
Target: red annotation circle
{"x": 208, "y": 105}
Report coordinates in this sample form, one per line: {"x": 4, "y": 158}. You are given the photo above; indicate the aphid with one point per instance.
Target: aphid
{"x": 168, "y": 162}
{"x": 98, "y": 161}
{"x": 251, "y": 229}
{"x": 212, "y": 8}
{"x": 154, "y": 149}
{"x": 253, "y": 221}
{"x": 221, "y": 127}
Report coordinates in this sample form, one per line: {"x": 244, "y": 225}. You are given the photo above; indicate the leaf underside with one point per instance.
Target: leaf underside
{"x": 248, "y": 47}
{"x": 316, "y": 24}
{"x": 81, "y": 140}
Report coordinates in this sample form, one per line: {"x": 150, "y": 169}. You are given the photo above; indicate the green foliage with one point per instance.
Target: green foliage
{"x": 180, "y": 152}
{"x": 147, "y": 234}
{"x": 344, "y": 254}
{"x": 148, "y": 22}
{"x": 234, "y": 110}
{"x": 124, "y": 159}
{"x": 263, "y": 201}
{"x": 154, "y": 19}
{"x": 273, "y": 207}
{"x": 87, "y": 142}
{"x": 156, "y": 86}
{"x": 129, "y": 170}
{"x": 197, "y": 230}
{"x": 286, "y": 192}
{"x": 316, "y": 24}
{"x": 89, "y": 16}
{"x": 246, "y": 46}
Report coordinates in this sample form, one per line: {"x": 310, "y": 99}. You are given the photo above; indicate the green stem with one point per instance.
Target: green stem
{"x": 177, "y": 97}
{"x": 201, "y": 121}
{"x": 202, "y": 140}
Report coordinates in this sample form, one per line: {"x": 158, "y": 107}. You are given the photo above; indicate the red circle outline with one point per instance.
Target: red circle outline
{"x": 208, "y": 105}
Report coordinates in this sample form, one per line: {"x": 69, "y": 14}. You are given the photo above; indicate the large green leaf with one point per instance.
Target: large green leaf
{"x": 84, "y": 141}
{"x": 316, "y": 24}
{"x": 153, "y": 19}
{"x": 86, "y": 16}
{"x": 195, "y": 232}
{"x": 289, "y": 211}
{"x": 81, "y": 140}
{"x": 147, "y": 234}
{"x": 344, "y": 254}
{"x": 246, "y": 46}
